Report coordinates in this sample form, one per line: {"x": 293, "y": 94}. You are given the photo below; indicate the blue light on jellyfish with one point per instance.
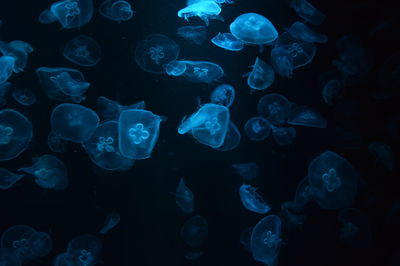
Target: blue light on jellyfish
{"x": 274, "y": 107}
{"x": 154, "y": 52}
{"x": 25, "y": 97}
{"x": 307, "y": 11}
{"x": 248, "y": 171}
{"x": 111, "y": 221}
{"x": 16, "y": 238}
{"x": 202, "y": 72}
{"x": 282, "y": 62}
{"x": 116, "y": 10}
{"x": 18, "y": 50}
{"x": 15, "y": 134}
{"x": 253, "y": 201}
{"x": 82, "y": 250}
{"x": 40, "y": 245}
{"x": 306, "y": 116}
{"x": 228, "y": 41}
{"x": 184, "y": 197}
{"x": 261, "y": 77}
{"x": 291, "y": 216}
{"x": 224, "y": 95}
{"x": 195, "y": 231}
{"x": 55, "y": 143}
{"x": 175, "y": 68}
{"x": 82, "y": 50}
{"x": 205, "y": 10}
{"x": 196, "y": 34}
{"x": 8, "y": 179}
{"x": 257, "y": 128}
{"x": 302, "y": 32}
{"x": 283, "y": 135}
{"x": 332, "y": 91}
{"x": 232, "y": 138}
{"x": 304, "y": 194}
{"x": 6, "y": 68}
{"x": 109, "y": 109}
{"x": 383, "y": 154}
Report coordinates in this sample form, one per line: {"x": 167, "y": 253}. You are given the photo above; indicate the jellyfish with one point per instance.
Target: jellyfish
{"x": 175, "y": 68}
{"x": 196, "y": 34}
{"x": 307, "y": 11}
{"x": 253, "y": 201}
{"x": 15, "y": 134}
{"x": 232, "y": 138}
{"x": 24, "y": 97}
{"x": 209, "y": 125}
{"x": 110, "y": 109}
{"x": 103, "y": 148}
{"x": 265, "y": 240}
{"x": 202, "y": 71}
{"x": 383, "y": 154}
{"x": 82, "y": 50}
{"x": 8, "y": 179}
{"x": 73, "y": 122}
{"x": 6, "y": 68}
{"x": 224, "y": 95}
{"x": 16, "y": 238}
{"x": 333, "y": 180}
{"x": 356, "y": 229}
{"x": 191, "y": 2}
{"x": 154, "y": 52}
{"x": 40, "y": 244}
{"x": 117, "y": 10}
{"x": 184, "y": 197}
{"x": 261, "y": 77}
{"x": 83, "y": 250}
{"x": 291, "y": 216}
{"x": 304, "y": 194}
{"x": 253, "y": 29}
{"x": 55, "y": 143}
{"x": 302, "y": 32}
{"x": 49, "y": 172}
{"x": 283, "y": 135}
{"x": 248, "y": 171}
{"x": 228, "y": 41}
{"x": 331, "y": 91}
{"x": 257, "y": 128}
{"x": 8, "y": 258}
{"x": 306, "y": 116}
{"x": 69, "y": 13}
{"x": 138, "y": 133}
{"x": 112, "y": 220}
{"x": 274, "y": 107}
{"x": 18, "y": 50}
{"x": 195, "y": 231}
{"x": 205, "y": 10}
{"x": 282, "y": 62}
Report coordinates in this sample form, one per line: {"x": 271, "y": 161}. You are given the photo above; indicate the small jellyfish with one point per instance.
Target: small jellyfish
{"x": 196, "y": 34}
{"x": 232, "y": 138}
{"x": 284, "y": 135}
{"x": 248, "y": 171}
{"x": 307, "y": 11}
{"x": 24, "y": 97}
{"x": 253, "y": 201}
{"x": 154, "y": 52}
{"x": 224, "y": 95}
{"x": 55, "y": 143}
{"x": 282, "y": 61}
{"x": 291, "y": 216}
{"x": 302, "y": 32}
{"x": 383, "y": 154}
{"x": 111, "y": 221}
{"x": 195, "y": 231}
{"x": 274, "y": 107}
{"x": 228, "y": 41}
{"x": 356, "y": 229}
{"x": 82, "y": 50}
{"x": 83, "y": 250}
{"x": 40, "y": 244}
{"x": 306, "y": 116}
{"x": 6, "y": 68}
{"x": 110, "y": 109}
{"x": 8, "y": 179}
{"x": 184, "y": 197}
{"x": 331, "y": 91}
{"x": 15, "y": 134}
{"x": 49, "y": 172}
{"x": 8, "y": 258}
{"x": 117, "y": 10}
{"x": 18, "y": 50}
{"x": 73, "y": 122}
{"x": 203, "y": 71}
{"x": 257, "y": 128}
{"x": 205, "y": 10}
{"x": 175, "y": 68}
{"x": 261, "y": 77}
{"x": 304, "y": 194}
{"x": 16, "y": 239}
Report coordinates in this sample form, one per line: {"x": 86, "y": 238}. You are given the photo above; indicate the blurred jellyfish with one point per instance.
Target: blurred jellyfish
{"x": 331, "y": 91}
{"x": 117, "y": 10}
{"x": 261, "y": 77}
{"x": 110, "y": 109}
{"x": 383, "y": 154}
{"x": 307, "y": 11}
{"x": 257, "y": 128}
{"x": 16, "y": 239}
{"x": 111, "y": 221}
{"x": 4, "y": 88}
{"x": 228, "y": 41}
{"x": 356, "y": 229}
{"x": 184, "y": 197}
{"x": 274, "y": 107}
{"x": 40, "y": 245}
{"x": 24, "y": 97}
{"x": 224, "y": 95}
{"x": 195, "y": 231}
{"x": 304, "y": 194}
{"x": 55, "y": 143}
{"x": 202, "y": 71}
{"x": 73, "y": 122}
{"x": 253, "y": 201}
{"x": 83, "y": 250}
{"x": 205, "y": 10}
{"x": 196, "y": 34}
{"x": 282, "y": 61}
{"x": 283, "y": 135}
{"x": 15, "y": 134}
{"x": 306, "y": 116}
{"x": 18, "y": 50}
{"x": 291, "y": 216}
{"x": 154, "y": 52}
{"x": 245, "y": 236}
{"x": 7, "y": 64}
{"x": 175, "y": 68}
{"x": 82, "y": 50}
{"x": 8, "y": 258}
{"x": 302, "y": 32}
{"x": 49, "y": 172}
{"x": 232, "y": 138}
{"x": 8, "y": 179}
{"x": 248, "y": 171}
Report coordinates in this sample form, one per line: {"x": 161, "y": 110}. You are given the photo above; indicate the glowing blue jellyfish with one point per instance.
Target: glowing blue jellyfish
{"x": 253, "y": 29}
{"x": 19, "y": 50}
{"x": 7, "y": 64}
{"x": 191, "y": 2}
{"x": 40, "y": 245}
{"x": 253, "y": 201}
{"x": 110, "y": 109}
{"x": 304, "y": 194}
{"x": 195, "y": 231}
{"x": 83, "y": 250}
{"x": 331, "y": 91}
{"x": 196, "y": 34}
{"x": 24, "y": 97}
{"x": 55, "y": 143}
{"x": 232, "y": 138}
{"x": 8, "y": 258}
{"x": 202, "y": 71}
{"x": 306, "y": 116}
{"x": 383, "y": 154}
{"x": 138, "y": 133}
{"x": 302, "y": 32}
{"x": 283, "y": 135}
{"x": 208, "y": 125}
{"x": 154, "y": 52}
{"x": 82, "y": 50}
{"x": 117, "y": 10}
{"x": 291, "y": 216}
{"x": 356, "y": 229}
{"x": 8, "y": 179}
{"x": 248, "y": 171}
{"x": 103, "y": 148}
{"x": 70, "y": 13}
{"x": 228, "y": 41}
{"x": 224, "y": 95}
{"x": 282, "y": 61}
{"x": 274, "y": 107}
{"x": 112, "y": 220}
{"x": 307, "y": 11}
{"x": 257, "y": 128}
{"x": 265, "y": 240}
{"x": 261, "y": 77}
{"x": 16, "y": 238}
{"x": 175, "y": 68}
{"x": 184, "y": 197}
{"x": 205, "y": 10}
{"x": 49, "y": 172}
{"x": 333, "y": 180}
{"x": 15, "y": 134}
{"x": 73, "y": 122}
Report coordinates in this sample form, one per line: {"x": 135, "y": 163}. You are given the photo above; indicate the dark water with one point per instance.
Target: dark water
{"x": 150, "y": 222}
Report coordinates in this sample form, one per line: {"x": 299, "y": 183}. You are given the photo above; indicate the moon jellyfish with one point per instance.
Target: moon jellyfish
{"x": 18, "y": 50}
{"x": 82, "y": 50}
{"x": 110, "y": 109}
{"x": 253, "y": 29}
{"x": 265, "y": 240}
{"x": 257, "y": 128}
{"x": 283, "y": 135}
{"x": 8, "y": 258}
{"x": 383, "y": 154}
{"x": 253, "y": 201}
{"x": 205, "y": 10}
{"x": 196, "y": 34}
{"x": 202, "y": 71}
{"x": 291, "y": 216}
{"x": 307, "y": 11}
{"x": 138, "y": 133}
{"x": 24, "y": 97}
{"x": 154, "y": 52}
{"x": 248, "y": 171}
{"x": 333, "y": 180}
{"x": 16, "y": 238}
{"x": 356, "y": 229}
{"x": 232, "y": 138}
{"x": 331, "y": 91}
{"x": 175, "y": 68}
{"x": 208, "y": 125}
{"x": 83, "y": 250}
{"x": 112, "y": 220}
{"x": 261, "y": 77}
{"x": 117, "y": 10}
{"x": 184, "y": 197}
{"x": 55, "y": 143}
{"x": 49, "y": 172}
{"x": 228, "y": 41}
{"x": 6, "y": 68}
{"x": 103, "y": 148}
{"x": 304, "y": 194}
{"x": 8, "y": 179}
{"x": 274, "y": 107}
{"x": 73, "y": 122}
{"x": 69, "y": 13}
{"x": 282, "y": 61}
{"x": 15, "y": 134}
{"x": 195, "y": 231}
{"x": 302, "y": 32}
{"x": 40, "y": 245}
{"x": 224, "y": 95}
{"x": 306, "y": 116}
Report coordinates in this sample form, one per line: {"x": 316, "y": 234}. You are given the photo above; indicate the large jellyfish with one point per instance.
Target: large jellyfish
{"x": 24, "y": 97}
{"x": 117, "y": 10}
{"x": 184, "y": 197}
{"x": 306, "y": 116}
{"x": 18, "y": 50}
{"x": 224, "y": 95}
{"x": 257, "y": 128}
{"x": 196, "y": 34}
{"x": 228, "y": 41}
{"x": 253, "y": 201}
{"x": 307, "y": 11}
{"x": 274, "y": 107}
{"x": 202, "y": 71}
{"x": 261, "y": 77}
{"x": 8, "y": 179}
{"x": 110, "y": 109}
{"x": 112, "y": 220}
{"x": 205, "y": 10}
{"x": 82, "y": 50}
{"x": 195, "y": 231}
